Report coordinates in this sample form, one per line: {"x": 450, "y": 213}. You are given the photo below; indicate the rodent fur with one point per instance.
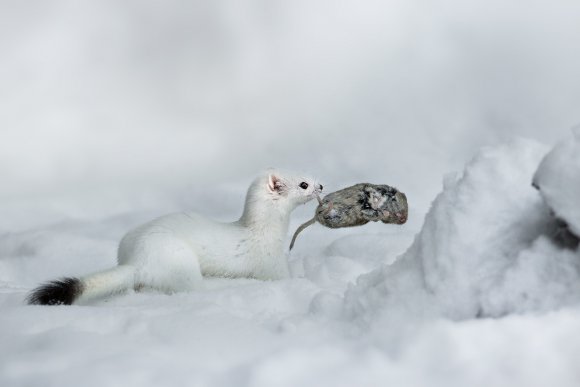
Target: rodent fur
{"x": 357, "y": 205}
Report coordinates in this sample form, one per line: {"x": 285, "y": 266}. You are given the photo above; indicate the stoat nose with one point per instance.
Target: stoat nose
{"x": 320, "y": 187}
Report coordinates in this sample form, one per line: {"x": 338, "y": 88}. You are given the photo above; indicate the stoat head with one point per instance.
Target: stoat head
{"x": 291, "y": 188}
{"x": 279, "y": 192}
{"x": 272, "y": 197}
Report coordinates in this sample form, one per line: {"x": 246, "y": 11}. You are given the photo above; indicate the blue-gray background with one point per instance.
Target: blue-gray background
{"x": 135, "y": 98}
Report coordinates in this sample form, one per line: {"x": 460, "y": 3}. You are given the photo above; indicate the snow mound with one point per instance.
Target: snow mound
{"x": 558, "y": 179}
{"x": 485, "y": 249}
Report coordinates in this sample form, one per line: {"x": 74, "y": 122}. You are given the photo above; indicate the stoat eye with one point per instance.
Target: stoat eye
{"x": 303, "y": 185}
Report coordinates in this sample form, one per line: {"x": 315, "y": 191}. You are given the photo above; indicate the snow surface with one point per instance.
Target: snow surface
{"x": 482, "y": 296}
{"x": 113, "y": 113}
{"x": 558, "y": 179}
{"x": 485, "y": 249}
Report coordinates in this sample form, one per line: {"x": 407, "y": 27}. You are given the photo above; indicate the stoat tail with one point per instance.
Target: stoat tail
{"x": 70, "y": 290}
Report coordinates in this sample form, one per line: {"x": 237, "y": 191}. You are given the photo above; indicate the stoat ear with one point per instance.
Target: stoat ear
{"x": 275, "y": 184}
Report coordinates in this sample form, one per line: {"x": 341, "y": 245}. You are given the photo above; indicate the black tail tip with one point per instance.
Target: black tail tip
{"x": 60, "y": 292}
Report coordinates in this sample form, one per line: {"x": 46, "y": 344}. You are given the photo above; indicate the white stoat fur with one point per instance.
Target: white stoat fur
{"x": 174, "y": 252}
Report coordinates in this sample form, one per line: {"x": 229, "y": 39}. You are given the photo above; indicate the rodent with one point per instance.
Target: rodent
{"x": 172, "y": 253}
{"x": 357, "y": 205}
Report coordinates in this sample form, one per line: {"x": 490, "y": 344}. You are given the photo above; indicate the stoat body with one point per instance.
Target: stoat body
{"x": 174, "y": 252}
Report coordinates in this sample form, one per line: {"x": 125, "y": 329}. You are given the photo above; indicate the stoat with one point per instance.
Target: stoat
{"x": 174, "y": 252}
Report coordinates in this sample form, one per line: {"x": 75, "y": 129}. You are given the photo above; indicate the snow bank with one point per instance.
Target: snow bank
{"x": 485, "y": 250}
{"x": 558, "y": 179}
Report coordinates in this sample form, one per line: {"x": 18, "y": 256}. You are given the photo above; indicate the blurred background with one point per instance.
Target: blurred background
{"x": 112, "y": 106}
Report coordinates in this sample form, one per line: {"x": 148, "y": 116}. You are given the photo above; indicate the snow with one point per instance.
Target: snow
{"x": 558, "y": 179}
{"x": 482, "y": 296}
{"x": 116, "y": 113}
{"x": 485, "y": 250}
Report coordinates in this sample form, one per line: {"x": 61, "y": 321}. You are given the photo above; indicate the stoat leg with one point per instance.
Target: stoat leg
{"x": 169, "y": 263}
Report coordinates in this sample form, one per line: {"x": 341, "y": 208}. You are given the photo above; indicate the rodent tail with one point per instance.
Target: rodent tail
{"x": 300, "y": 229}
{"x": 67, "y": 291}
